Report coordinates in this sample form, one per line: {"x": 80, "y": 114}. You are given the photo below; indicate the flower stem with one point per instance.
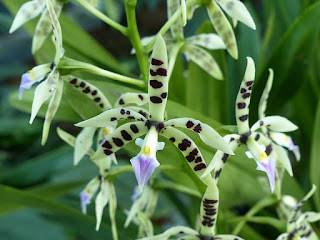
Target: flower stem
{"x": 173, "y": 56}
{"x": 103, "y": 17}
{"x": 67, "y": 63}
{"x": 134, "y": 37}
{"x": 169, "y": 23}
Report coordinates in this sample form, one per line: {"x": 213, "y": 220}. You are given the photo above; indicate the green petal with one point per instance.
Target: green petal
{"x": 89, "y": 90}
{"x": 243, "y": 98}
{"x": 176, "y": 28}
{"x": 132, "y": 98}
{"x": 237, "y": 10}
{"x": 309, "y": 217}
{"x": 172, "y": 232}
{"x": 158, "y": 81}
{"x": 184, "y": 12}
{"x": 223, "y": 28}
{"x": 190, "y": 10}
{"x": 207, "y": 134}
{"x": 275, "y": 123}
{"x": 265, "y": 95}
{"x": 106, "y": 118}
{"x": 83, "y": 143}
{"x": 210, "y": 41}
{"x": 26, "y": 12}
{"x": 101, "y": 201}
{"x": 44, "y": 28}
{"x": 67, "y": 137}
{"x": 227, "y": 237}
{"x": 204, "y": 60}
{"x": 51, "y": 111}
{"x": 43, "y": 92}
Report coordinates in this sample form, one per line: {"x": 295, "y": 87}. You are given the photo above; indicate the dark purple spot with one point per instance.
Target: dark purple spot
{"x": 73, "y": 81}
{"x": 257, "y": 137}
{"x": 164, "y": 95}
{"x": 143, "y": 113}
{"x": 156, "y": 62}
{"x": 134, "y": 128}
{"x": 246, "y": 95}
{"x": 155, "y": 84}
{"x": 86, "y": 90}
{"x": 101, "y": 105}
{"x": 107, "y": 152}
{"x": 159, "y": 71}
{"x": 155, "y": 99}
{"x": 189, "y": 124}
{"x": 225, "y": 157}
{"x": 107, "y": 145}
{"x": 217, "y": 173}
{"x": 192, "y": 155}
{"x": 113, "y": 119}
{"x": 94, "y": 92}
{"x": 118, "y": 142}
{"x": 199, "y": 167}
{"x": 249, "y": 83}
{"x": 243, "y": 118}
{"x": 198, "y": 159}
{"x": 172, "y": 139}
{"x": 261, "y": 123}
{"x": 241, "y": 105}
{"x": 131, "y": 117}
{"x": 128, "y": 112}
{"x": 268, "y": 149}
{"x": 126, "y": 136}
{"x": 97, "y": 99}
{"x": 197, "y": 128}
{"x": 243, "y": 90}
{"x": 184, "y": 144}
{"x": 122, "y": 111}
{"x": 121, "y": 102}
{"x": 82, "y": 84}
{"x": 209, "y": 201}
{"x": 140, "y": 96}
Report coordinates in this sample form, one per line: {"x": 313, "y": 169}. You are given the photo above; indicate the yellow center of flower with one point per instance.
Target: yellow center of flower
{"x": 263, "y": 156}
{"x": 105, "y": 132}
{"x": 146, "y": 150}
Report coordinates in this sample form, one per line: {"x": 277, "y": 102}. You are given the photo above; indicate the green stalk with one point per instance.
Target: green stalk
{"x": 71, "y": 64}
{"x": 173, "y": 56}
{"x": 103, "y": 17}
{"x": 169, "y": 23}
{"x": 134, "y": 37}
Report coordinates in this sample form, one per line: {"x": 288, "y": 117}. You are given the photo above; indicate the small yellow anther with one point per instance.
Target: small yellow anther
{"x": 105, "y": 132}
{"x": 146, "y": 150}
{"x": 263, "y": 156}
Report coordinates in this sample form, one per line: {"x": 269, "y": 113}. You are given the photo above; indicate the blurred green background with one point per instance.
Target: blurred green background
{"x": 39, "y": 185}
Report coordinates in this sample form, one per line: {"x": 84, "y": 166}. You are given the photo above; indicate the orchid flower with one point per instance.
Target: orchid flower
{"x": 208, "y": 216}
{"x": 52, "y": 86}
{"x": 261, "y": 149}
{"x": 145, "y": 162}
{"x": 107, "y": 192}
{"x": 298, "y": 226}
{"x": 32, "y": 9}
{"x": 279, "y": 138}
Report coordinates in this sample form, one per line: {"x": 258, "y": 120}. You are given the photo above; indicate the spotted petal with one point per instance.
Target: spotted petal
{"x": 176, "y": 28}
{"x": 203, "y": 59}
{"x": 237, "y": 10}
{"x": 265, "y": 95}
{"x": 243, "y": 98}
{"x": 43, "y": 92}
{"x": 210, "y": 41}
{"x": 132, "y": 98}
{"x": 158, "y": 81}
{"x": 106, "y": 118}
{"x": 51, "y": 111}
{"x": 26, "y": 12}
{"x": 286, "y": 141}
{"x": 283, "y": 236}
{"x": 189, "y": 150}
{"x": 309, "y": 217}
{"x": 275, "y": 123}
{"x": 207, "y": 134}
{"x": 44, "y": 28}
{"x": 223, "y": 27}
{"x": 101, "y": 201}
{"x": 172, "y": 232}
{"x": 91, "y": 91}
{"x": 121, "y": 136}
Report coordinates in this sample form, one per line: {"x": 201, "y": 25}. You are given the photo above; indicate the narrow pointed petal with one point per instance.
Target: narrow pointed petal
{"x": 210, "y": 41}
{"x": 43, "y": 92}
{"x": 132, "y": 98}
{"x": 145, "y": 223}
{"x": 207, "y": 134}
{"x": 143, "y": 168}
{"x": 283, "y": 159}
{"x": 285, "y": 141}
{"x": 237, "y": 10}
{"x": 51, "y": 111}
{"x": 227, "y": 237}
{"x": 158, "y": 81}
{"x": 184, "y": 12}
{"x": 26, "y": 12}
{"x": 223, "y": 27}
{"x": 121, "y": 136}
{"x": 204, "y": 60}
{"x": 190, "y": 10}
{"x": 172, "y": 232}
{"x": 220, "y": 158}
{"x": 209, "y": 210}
{"x": 91, "y": 91}
{"x": 309, "y": 217}
{"x": 269, "y": 168}
{"x": 106, "y": 118}
{"x": 189, "y": 150}
{"x": 112, "y": 210}
{"x": 243, "y": 98}
{"x": 44, "y": 28}
{"x": 265, "y": 95}
{"x": 67, "y": 137}
{"x": 283, "y": 236}
{"x": 275, "y": 123}
{"x": 26, "y": 83}
{"x": 88, "y": 192}
{"x": 56, "y": 31}
{"x": 83, "y": 143}
{"x": 101, "y": 201}
{"x": 176, "y": 28}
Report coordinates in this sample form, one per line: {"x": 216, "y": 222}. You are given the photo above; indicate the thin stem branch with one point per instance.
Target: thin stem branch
{"x": 103, "y": 17}
{"x": 169, "y": 23}
{"x": 173, "y": 56}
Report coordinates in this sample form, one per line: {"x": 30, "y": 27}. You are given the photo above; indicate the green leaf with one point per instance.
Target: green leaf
{"x": 315, "y": 157}
{"x": 289, "y": 60}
